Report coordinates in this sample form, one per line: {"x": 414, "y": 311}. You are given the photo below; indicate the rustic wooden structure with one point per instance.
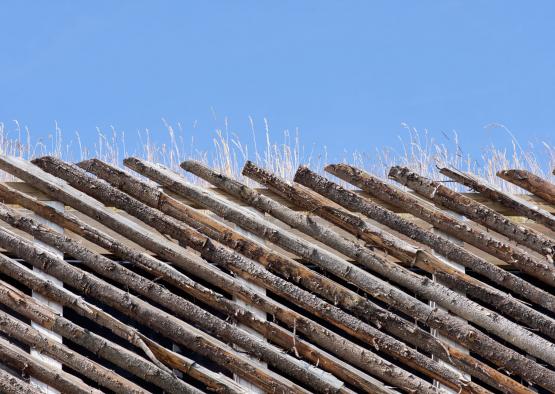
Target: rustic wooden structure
{"x": 156, "y": 297}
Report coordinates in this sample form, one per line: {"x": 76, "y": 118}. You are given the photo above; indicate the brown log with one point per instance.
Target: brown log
{"x": 216, "y": 382}
{"x": 123, "y": 358}
{"x": 458, "y": 202}
{"x": 450, "y": 327}
{"x": 169, "y": 326}
{"x": 26, "y": 364}
{"x": 531, "y": 182}
{"x": 501, "y": 301}
{"x": 181, "y": 307}
{"x": 514, "y": 203}
{"x": 215, "y": 252}
{"x": 9, "y": 384}
{"x": 515, "y": 257}
{"x": 301, "y": 222}
{"x": 104, "y": 377}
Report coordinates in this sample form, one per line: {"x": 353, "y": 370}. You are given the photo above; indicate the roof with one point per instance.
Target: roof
{"x": 304, "y": 286}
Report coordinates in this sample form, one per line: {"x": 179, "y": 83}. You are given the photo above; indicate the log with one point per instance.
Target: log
{"x": 514, "y": 203}
{"x": 169, "y": 326}
{"x": 23, "y": 333}
{"x": 443, "y": 322}
{"x": 305, "y": 224}
{"x": 22, "y": 362}
{"x": 515, "y": 257}
{"x": 531, "y": 182}
{"x": 458, "y": 202}
{"x": 9, "y": 384}
{"x": 215, "y": 252}
{"x": 216, "y": 382}
{"x": 501, "y": 301}
{"x": 117, "y": 355}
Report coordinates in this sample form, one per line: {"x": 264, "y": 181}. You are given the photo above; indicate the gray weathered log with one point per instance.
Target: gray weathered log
{"x": 295, "y": 219}
{"x": 452, "y": 328}
{"x": 9, "y": 384}
{"x": 23, "y": 333}
{"x": 125, "y": 359}
{"x": 514, "y": 203}
{"x": 215, "y": 252}
{"x": 169, "y": 326}
{"x": 216, "y": 382}
{"x": 531, "y": 182}
{"x": 458, "y": 202}
{"x": 25, "y": 364}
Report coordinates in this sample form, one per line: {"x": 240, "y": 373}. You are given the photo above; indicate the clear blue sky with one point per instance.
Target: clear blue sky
{"x": 346, "y": 73}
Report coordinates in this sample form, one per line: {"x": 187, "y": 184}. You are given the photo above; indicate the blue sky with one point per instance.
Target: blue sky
{"x": 347, "y": 74}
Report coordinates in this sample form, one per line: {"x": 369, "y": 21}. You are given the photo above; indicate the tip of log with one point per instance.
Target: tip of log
{"x": 87, "y": 164}
{"x": 188, "y": 165}
{"x": 249, "y": 166}
{"x": 43, "y": 159}
{"x": 300, "y": 171}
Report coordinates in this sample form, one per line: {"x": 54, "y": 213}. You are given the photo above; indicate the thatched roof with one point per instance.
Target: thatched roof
{"x": 292, "y": 287}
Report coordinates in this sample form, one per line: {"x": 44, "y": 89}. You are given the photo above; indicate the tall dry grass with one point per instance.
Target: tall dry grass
{"x": 283, "y": 152}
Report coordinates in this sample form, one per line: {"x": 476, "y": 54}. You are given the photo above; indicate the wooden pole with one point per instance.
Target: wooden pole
{"x": 491, "y": 192}
{"x": 23, "y": 362}
{"x": 9, "y": 384}
{"x": 531, "y": 182}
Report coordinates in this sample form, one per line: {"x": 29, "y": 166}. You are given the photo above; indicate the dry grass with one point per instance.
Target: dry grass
{"x": 417, "y": 150}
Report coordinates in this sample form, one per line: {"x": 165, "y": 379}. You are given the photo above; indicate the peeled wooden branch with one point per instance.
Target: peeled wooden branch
{"x": 531, "y": 182}
{"x": 24, "y": 363}
{"x": 30, "y": 279}
{"x": 449, "y": 326}
{"x": 516, "y": 257}
{"x": 305, "y": 224}
{"x": 128, "y": 360}
{"x": 9, "y": 384}
{"x": 223, "y": 256}
{"x": 101, "y": 375}
{"x": 514, "y": 203}
{"x": 169, "y": 326}
{"x": 461, "y": 204}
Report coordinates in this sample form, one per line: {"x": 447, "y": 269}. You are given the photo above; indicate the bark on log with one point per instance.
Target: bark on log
{"x": 104, "y": 377}
{"x": 132, "y": 306}
{"x": 9, "y": 384}
{"x": 457, "y": 303}
{"x": 22, "y": 362}
{"x": 531, "y": 182}
{"x": 514, "y": 203}
{"x": 216, "y": 382}
{"x": 438, "y": 243}
{"x": 379, "y": 189}
{"x": 217, "y": 253}
{"x": 117, "y": 355}
{"x": 515, "y": 257}
{"x": 450, "y": 327}
{"x": 182, "y": 308}
{"x": 305, "y": 224}
{"x": 468, "y": 207}
{"x": 289, "y": 268}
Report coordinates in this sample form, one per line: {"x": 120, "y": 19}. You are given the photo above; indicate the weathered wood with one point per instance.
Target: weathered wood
{"x": 449, "y": 326}
{"x": 126, "y": 359}
{"x": 514, "y": 256}
{"x": 216, "y": 382}
{"x": 518, "y": 205}
{"x": 531, "y": 182}
{"x": 25, "y": 364}
{"x": 104, "y": 377}
{"x": 443, "y": 246}
{"x": 462, "y": 204}
{"x": 169, "y": 326}
{"x": 217, "y": 253}
{"x": 304, "y": 223}
{"x": 178, "y": 305}
{"x": 9, "y": 384}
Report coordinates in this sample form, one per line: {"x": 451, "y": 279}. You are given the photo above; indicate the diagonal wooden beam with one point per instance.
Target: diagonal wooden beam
{"x": 531, "y": 182}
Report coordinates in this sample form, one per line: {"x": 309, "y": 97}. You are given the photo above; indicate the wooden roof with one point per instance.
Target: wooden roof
{"x": 292, "y": 287}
